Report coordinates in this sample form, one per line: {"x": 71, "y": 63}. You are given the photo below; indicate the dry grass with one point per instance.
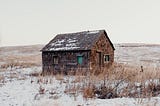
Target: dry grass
{"x": 131, "y": 73}
{"x": 121, "y": 81}
{"x": 59, "y": 77}
{"x": 88, "y": 92}
{"x": 17, "y": 65}
{"x": 20, "y": 57}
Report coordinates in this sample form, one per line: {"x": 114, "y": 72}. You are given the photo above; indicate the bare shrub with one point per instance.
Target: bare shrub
{"x": 121, "y": 81}
{"x": 151, "y": 89}
{"x": 88, "y": 92}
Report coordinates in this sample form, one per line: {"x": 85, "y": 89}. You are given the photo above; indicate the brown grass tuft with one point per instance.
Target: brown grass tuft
{"x": 59, "y": 77}
{"x": 88, "y": 92}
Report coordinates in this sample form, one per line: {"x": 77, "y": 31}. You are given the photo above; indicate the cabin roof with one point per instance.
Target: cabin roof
{"x": 75, "y": 41}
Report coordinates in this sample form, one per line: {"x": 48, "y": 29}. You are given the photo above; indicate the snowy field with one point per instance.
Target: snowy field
{"x": 21, "y": 84}
{"x": 138, "y": 54}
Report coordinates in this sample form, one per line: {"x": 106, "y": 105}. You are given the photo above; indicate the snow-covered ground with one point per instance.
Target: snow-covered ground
{"x": 23, "y": 87}
{"x": 24, "y": 90}
{"x": 138, "y": 54}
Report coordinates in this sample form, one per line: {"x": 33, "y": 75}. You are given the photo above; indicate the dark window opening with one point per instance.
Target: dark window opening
{"x": 106, "y": 58}
{"x": 55, "y": 60}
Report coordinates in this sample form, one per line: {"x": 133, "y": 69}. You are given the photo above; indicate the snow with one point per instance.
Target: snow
{"x": 64, "y": 48}
{"x": 25, "y": 92}
{"x": 22, "y": 93}
{"x": 58, "y": 43}
{"x": 69, "y": 44}
{"x": 93, "y": 32}
{"x": 138, "y": 54}
{"x": 72, "y": 40}
{"x": 17, "y": 93}
{"x": 19, "y": 88}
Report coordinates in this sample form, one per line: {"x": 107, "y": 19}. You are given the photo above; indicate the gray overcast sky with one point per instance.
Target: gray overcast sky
{"x": 24, "y": 22}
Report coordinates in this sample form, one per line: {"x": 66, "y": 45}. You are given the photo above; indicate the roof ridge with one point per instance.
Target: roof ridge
{"x": 80, "y": 32}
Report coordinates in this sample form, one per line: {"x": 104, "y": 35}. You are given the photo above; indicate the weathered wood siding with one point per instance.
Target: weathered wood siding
{"x": 101, "y": 48}
{"x": 67, "y": 60}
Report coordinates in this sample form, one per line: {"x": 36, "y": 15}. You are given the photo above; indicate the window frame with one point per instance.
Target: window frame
{"x": 106, "y": 60}
{"x": 78, "y": 56}
{"x": 55, "y": 60}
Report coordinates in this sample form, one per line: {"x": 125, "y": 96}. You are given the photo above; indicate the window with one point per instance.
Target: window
{"x": 106, "y": 58}
{"x": 55, "y": 60}
{"x": 80, "y": 59}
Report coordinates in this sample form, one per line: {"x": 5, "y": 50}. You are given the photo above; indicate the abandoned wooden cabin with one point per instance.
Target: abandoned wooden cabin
{"x": 87, "y": 50}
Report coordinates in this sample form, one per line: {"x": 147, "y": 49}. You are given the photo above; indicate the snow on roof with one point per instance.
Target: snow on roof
{"x": 64, "y": 44}
{"x": 92, "y": 32}
{"x": 63, "y": 48}
{"x": 74, "y": 41}
{"x": 58, "y": 43}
